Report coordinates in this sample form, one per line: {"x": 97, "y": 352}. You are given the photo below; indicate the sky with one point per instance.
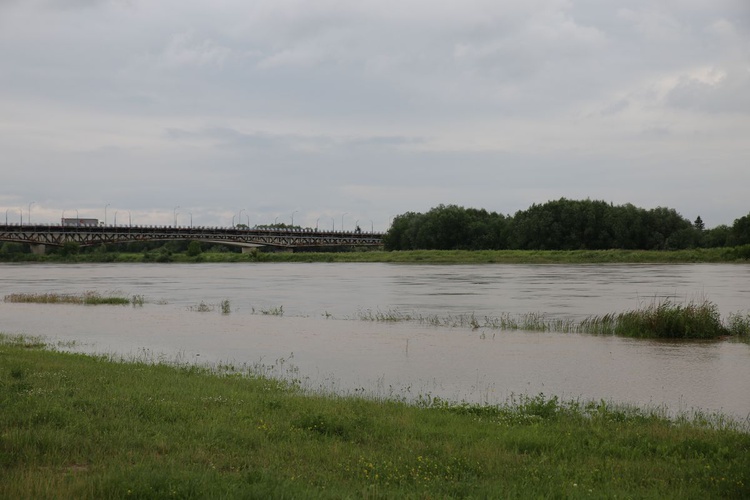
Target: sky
{"x": 332, "y": 113}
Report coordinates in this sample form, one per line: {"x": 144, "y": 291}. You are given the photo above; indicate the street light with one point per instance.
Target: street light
{"x": 191, "y": 219}
{"x": 30, "y": 211}
{"x": 130, "y": 219}
{"x": 316, "y": 223}
{"x": 6, "y": 216}
{"x": 174, "y": 212}
{"x": 372, "y": 226}
{"x": 239, "y": 219}
{"x": 293, "y": 217}
{"x": 342, "y": 220}
{"x": 115, "y": 218}
{"x": 105, "y": 213}
{"x": 333, "y": 224}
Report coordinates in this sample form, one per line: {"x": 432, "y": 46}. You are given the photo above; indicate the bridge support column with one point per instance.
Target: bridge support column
{"x": 37, "y": 249}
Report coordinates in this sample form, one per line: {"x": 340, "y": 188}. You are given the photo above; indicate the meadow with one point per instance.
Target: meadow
{"x": 80, "y": 426}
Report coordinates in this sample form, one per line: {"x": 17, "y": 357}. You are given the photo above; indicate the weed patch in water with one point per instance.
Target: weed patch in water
{"x": 272, "y": 311}
{"x": 658, "y": 320}
{"x": 86, "y": 298}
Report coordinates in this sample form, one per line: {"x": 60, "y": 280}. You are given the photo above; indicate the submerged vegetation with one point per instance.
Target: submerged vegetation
{"x": 85, "y": 298}
{"x": 77, "y": 426}
{"x": 658, "y": 320}
{"x": 662, "y": 319}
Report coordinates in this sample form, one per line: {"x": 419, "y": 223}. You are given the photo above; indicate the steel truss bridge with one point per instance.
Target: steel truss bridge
{"x": 40, "y": 236}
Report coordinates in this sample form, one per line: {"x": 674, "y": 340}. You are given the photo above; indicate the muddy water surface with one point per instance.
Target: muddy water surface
{"x": 320, "y": 341}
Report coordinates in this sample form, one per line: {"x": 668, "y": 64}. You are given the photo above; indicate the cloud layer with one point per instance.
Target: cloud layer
{"x": 371, "y": 108}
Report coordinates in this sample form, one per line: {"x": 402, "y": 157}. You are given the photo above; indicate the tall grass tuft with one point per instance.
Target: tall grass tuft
{"x": 225, "y": 306}
{"x": 669, "y": 320}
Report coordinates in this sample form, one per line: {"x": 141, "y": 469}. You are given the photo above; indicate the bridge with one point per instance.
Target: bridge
{"x": 40, "y": 236}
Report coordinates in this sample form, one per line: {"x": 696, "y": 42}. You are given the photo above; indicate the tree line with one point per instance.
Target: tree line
{"x": 560, "y": 225}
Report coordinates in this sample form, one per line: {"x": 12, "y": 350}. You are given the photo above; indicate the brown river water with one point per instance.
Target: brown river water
{"x": 321, "y": 342}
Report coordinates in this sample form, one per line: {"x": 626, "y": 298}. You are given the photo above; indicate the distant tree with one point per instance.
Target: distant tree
{"x": 698, "y": 224}
{"x": 194, "y": 249}
{"x": 70, "y": 248}
{"x": 718, "y": 236}
{"x": 741, "y": 231}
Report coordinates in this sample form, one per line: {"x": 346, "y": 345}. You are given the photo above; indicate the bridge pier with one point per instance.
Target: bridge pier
{"x": 37, "y": 249}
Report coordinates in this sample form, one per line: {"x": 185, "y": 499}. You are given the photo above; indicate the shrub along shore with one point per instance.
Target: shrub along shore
{"x": 79, "y": 426}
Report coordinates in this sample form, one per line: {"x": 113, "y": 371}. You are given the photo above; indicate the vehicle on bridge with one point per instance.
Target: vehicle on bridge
{"x": 79, "y": 222}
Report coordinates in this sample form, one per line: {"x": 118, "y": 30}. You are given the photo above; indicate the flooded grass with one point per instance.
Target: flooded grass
{"x": 78, "y": 426}
{"x": 85, "y": 298}
{"x": 663, "y": 319}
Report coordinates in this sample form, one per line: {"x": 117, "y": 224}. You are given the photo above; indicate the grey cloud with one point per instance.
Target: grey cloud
{"x": 728, "y": 94}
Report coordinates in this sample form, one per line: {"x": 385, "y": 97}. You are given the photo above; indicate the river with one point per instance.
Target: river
{"x": 321, "y": 341}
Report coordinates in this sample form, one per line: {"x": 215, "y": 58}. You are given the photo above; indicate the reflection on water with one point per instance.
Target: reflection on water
{"x": 406, "y": 359}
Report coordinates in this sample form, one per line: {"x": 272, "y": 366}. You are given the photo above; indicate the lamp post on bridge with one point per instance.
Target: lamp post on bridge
{"x": 6, "y": 216}
{"x": 174, "y": 212}
{"x": 191, "y": 219}
{"x": 105, "y": 213}
{"x": 293, "y": 217}
{"x": 333, "y": 224}
{"x": 115, "y": 218}
{"x": 342, "y": 220}
{"x": 372, "y": 226}
{"x": 30, "y": 211}
{"x": 130, "y": 220}
{"x": 239, "y": 218}
{"x": 316, "y": 223}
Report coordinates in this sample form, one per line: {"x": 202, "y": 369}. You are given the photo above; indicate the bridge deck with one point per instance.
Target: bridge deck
{"x": 57, "y": 235}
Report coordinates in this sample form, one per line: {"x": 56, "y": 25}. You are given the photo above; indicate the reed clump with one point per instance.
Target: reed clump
{"x": 669, "y": 320}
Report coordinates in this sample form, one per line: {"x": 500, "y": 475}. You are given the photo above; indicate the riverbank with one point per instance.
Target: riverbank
{"x": 77, "y": 426}
{"x": 698, "y": 255}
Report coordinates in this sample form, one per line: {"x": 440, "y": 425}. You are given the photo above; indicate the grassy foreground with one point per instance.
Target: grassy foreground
{"x": 76, "y": 426}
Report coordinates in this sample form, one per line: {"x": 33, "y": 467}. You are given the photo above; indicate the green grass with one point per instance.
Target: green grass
{"x": 724, "y": 254}
{"x": 76, "y": 426}
{"x": 86, "y": 298}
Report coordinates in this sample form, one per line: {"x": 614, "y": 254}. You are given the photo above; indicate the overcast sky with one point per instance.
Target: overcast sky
{"x": 361, "y": 110}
